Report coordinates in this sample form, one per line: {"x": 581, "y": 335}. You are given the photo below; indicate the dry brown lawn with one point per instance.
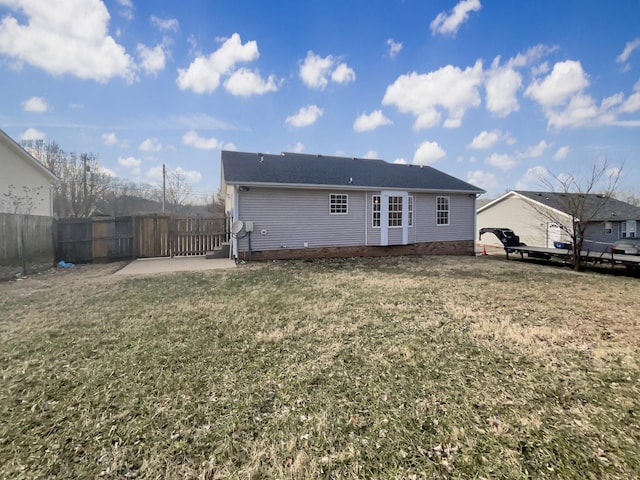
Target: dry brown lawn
{"x": 411, "y": 367}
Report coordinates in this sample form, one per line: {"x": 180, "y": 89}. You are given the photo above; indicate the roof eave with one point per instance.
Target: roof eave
{"x": 310, "y": 186}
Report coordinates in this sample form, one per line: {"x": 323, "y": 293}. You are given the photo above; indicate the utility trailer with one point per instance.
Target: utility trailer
{"x": 563, "y": 253}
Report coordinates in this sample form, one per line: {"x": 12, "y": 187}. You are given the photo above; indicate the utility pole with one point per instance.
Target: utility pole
{"x": 84, "y": 181}
{"x": 164, "y": 186}
{"x": 84, "y": 173}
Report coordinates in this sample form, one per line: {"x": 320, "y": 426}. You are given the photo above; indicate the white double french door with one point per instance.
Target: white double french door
{"x": 394, "y": 218}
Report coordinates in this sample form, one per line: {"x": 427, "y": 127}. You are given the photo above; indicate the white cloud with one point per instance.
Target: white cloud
{"x": 126, "y": 9}
{"x": 152, "y": 60}
{"x": 533, "y": 178}
{"x": 565, "y": 80}
{"x": 562, "y": 153}
{"x": 305, "y": 116}
{"x": 315, "y": 71}
{"x": 192, "y": 139}
{"x": 540, "y": 69}
{"x": 343, "y": 74}
{"x": 107, "y": 171}
{"x": 448, "y": 88}
{"x": 35, "y": 105}
{"x": 298, "y": 147}
{"x": 155, "y": 173}
{"x": 482, "y": 179}
{"x": 428, "y": 153}
{"x": 371, "y": 154}
{"x": 229, "y": 146}
{"x": 485, "y": 140}
{"x": 631, "y": 104}
{"x": 626, "y": 53}
{"x": 165, "y": 24}
{"x": 608, "y": 103}
{"x": 400, "y": 161}
{"x": 150, "y": 145}
{"x": 129, "y": 162}
{"x": 371, "y": 121}
{"x": 501, "y": 160}
{"x": 394, "y": 47}
{"x": 613, "y": 173}
{"x": 109, "y": 138}
{"x": 55, "y": 40}
{"x": 204, "y": 73}
{"x": 504, "y": 81}
{"x": 448, "y": 24}
{"x": 581, "y": 111}
{"x": 192, "y": 176}
{"x": 502, "y": 87}
{"x": 534, "y": 151}
{"x": 561, "y": 95}
{"x": 32, "y": 134}
{"x": 244, "y": 83}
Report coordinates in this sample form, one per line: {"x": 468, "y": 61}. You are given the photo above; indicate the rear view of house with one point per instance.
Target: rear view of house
{"x": 295, "y": 205}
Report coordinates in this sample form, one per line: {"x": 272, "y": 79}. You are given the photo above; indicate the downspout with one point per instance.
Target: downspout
{"x": 234, "y": 217}
{"x": 366, "y": 217}
{"x": 475, "y": 221}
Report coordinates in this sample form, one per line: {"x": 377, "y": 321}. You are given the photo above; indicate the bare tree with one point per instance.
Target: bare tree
{"x": 632, "y": 198}
{"x": 178, "y": 191}
{"x": 582, "y": 199}
{"x": 215, "y": 204}
{"x": 82, "y": 184}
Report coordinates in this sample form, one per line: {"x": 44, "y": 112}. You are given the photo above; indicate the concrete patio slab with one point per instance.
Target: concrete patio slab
{"x": 151, "y": 266}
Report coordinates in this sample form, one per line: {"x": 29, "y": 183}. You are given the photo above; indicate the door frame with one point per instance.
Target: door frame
{"x": 384, "y": 216}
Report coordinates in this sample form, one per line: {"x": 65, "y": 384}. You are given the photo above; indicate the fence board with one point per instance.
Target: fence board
{"x": 26, "y": 244}
{"x": 84, "y": 240}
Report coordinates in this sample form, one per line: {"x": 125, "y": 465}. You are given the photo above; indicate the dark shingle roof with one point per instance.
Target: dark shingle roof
{"x": 318, "y": 170}
{"x": 610, "y": 210}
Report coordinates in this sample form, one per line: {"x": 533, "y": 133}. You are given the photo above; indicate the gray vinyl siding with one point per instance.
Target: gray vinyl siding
{"x": 595, "y": 238}
{"x": 461, "y": 218}
{"x": 292, "y": 217}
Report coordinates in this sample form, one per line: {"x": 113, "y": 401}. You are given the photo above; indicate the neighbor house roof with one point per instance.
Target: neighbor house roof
{"x": 316, "y": 171}
{"x": 27, "y": 157}
{"x": 597, "y": 207}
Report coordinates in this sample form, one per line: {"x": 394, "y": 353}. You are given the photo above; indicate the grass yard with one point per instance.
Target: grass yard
{"x": 433, "y": 367}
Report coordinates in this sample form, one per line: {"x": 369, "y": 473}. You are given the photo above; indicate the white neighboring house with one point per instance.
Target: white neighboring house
{"x": 524, "y": 213}
{"x": 24, "y": 178}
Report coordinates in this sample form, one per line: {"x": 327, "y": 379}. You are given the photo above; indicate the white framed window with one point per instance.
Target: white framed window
{"x": 395, "y": 211}
{"x": 375, "y": 211}
{"x": 607, "y": 228}
{"x": 442, "y": 210}
{"x": 338, "y": 203}
{"x": 631, "y": 228}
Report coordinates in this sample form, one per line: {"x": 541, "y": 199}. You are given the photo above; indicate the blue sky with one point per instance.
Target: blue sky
{"x": 496, "y": 93}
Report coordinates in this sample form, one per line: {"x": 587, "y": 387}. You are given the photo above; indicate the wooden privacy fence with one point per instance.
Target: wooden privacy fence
{"x": 100, "y": 238}
{"x": 25, "y": 244}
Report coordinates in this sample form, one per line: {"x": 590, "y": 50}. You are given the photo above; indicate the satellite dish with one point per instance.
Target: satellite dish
{"x": 237, "y": 227}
